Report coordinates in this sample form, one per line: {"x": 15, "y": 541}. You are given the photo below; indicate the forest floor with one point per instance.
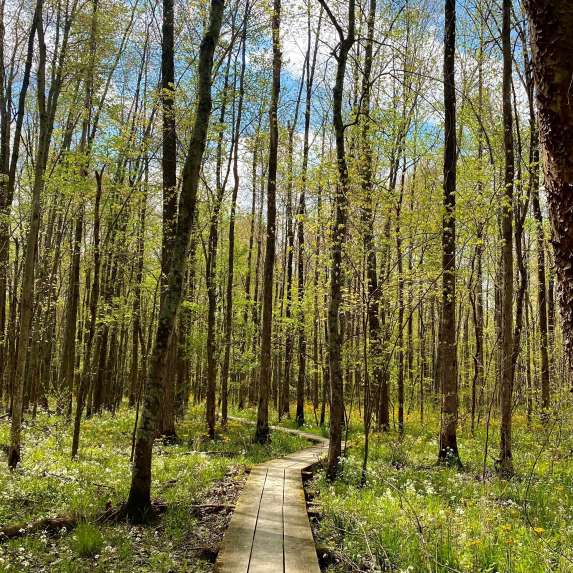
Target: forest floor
{"x": 197, "y": 479}
{"x": 410, "y": 516}
{"x": 414, "y": 516}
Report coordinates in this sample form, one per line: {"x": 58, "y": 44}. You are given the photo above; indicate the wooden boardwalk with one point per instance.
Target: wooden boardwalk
{"x": 269, "y": 531}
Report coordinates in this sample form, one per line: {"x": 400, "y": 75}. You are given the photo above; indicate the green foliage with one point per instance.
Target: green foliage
{"x": 49, "y": 484}
{"x": 88, "y": 540}
{"x": 420, "y": 517}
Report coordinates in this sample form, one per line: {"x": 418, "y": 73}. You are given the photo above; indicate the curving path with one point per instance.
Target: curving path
{"x": 269, "y": 531}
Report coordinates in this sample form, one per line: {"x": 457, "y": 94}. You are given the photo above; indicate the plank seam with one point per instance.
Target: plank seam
{"x": 283, "y": 516}
{"x": 257, "y": 520}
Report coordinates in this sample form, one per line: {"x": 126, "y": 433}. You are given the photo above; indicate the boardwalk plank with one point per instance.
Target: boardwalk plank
{"x": 269, "y": 531}
{"x": 267, "y": 552}
{"x": 299, "y": 548}
{"x": 235, "y": 551}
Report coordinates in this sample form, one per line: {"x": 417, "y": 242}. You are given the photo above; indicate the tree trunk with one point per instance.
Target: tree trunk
{"x": 400, "y": 268}
{"x": 505, "y": 459}
{"x": 262, "y": 430}
{"x": 86, "y": 375}
{"x": 211, "y": 265}
{"x": 367, "y": 215}
{"x": 447, "y": 344}
{"x": 551, "y": 22}
{"x": 169, "y": 171}
{"x": 27, "y": 291}
{"x": 139, "y": 501}
{"x": 301, "y": 214}
{"x": 8, "y": 170}
{"x": 228, "y": 319}
{"x": 346, "y": 41}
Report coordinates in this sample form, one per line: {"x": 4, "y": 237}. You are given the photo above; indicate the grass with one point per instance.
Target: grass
{"x": 414, "y": 516}
{"x": 48, "y": 484}
{"x": 411, "y": 515}
{"x": 88, "y": 540}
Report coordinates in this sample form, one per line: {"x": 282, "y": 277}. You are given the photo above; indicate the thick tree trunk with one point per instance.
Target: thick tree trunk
{"x": 551, "y": 22}
{"x": 448, "y": 367}
{"x": 27, "y": 291}
{"x": 169, "y": 172}
{"x": 139, "y": 501}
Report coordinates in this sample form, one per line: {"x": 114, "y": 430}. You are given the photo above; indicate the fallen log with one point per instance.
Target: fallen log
{"x": 54, "y": 525}
{"x": 50, "y": 524}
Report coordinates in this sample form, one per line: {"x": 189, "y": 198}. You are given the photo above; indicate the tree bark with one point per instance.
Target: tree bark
{"x": 8, "y": 167}
{"x": 505, "y": 466}
{"x": 339, "y": 228}
{"x": 550, "y": 23}
{"x": 367, "y": 215}
{"x": 211, "y": 265}
{"x": 228, "y": 319}
{"x": 27, "y": 292}
{"x": 262, "y": 430}
{"x": 169, "y": 181}
{"x": 139, "y": 501}
{"x": 448, "y": 368}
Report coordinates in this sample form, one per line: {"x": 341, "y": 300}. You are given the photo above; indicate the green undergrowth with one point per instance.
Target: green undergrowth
{"x": 311, "y": 418}
{"x": 49, "y": 484}
{"x": 414, "y": 516}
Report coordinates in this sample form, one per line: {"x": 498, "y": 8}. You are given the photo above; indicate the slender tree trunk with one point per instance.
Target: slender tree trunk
{"x": 211, "y": 266}
{"x": 505, "y": 459}
{"x": 8, "y": 168}
{"x": 86, "y": 375}
{"x": 69, "y": 343}
{"x": 373, "y": 292}
{"x": 284, "y": 386}
{"x": 346, "y": 41}
{"x": 248, "y": 277}
{"x": 262, "y": 430}
{"x": 228, "y": 320}
{"x": 136, "y": 330}
{"x": 284, "y": 397}
{"x": 478, "y": 298}
{"x": 27, "y": 291}
{"x": 400, "y": 341}
{"x": 301, "y": 214}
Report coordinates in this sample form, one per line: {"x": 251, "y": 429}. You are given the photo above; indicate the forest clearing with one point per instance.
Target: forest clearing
{"x": 286, "y": 286}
